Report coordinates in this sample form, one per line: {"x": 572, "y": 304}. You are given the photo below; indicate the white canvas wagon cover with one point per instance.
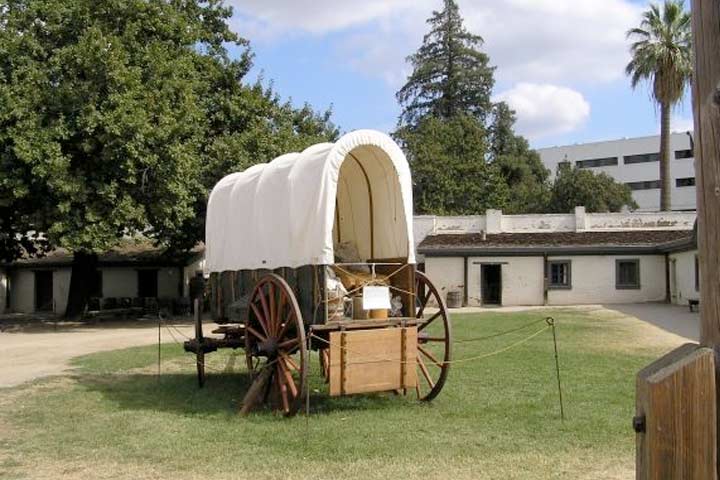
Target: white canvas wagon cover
{"x": 296, "y": 209}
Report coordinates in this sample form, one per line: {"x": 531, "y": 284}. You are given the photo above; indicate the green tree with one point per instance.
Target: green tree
{"x": 598, "y": 192}
{"x": 662, "y": 55}
{"x": 116, "y": 118}
{"x": 520, "y": 166}
{"x": 450, "y": 174}
{"x": 450, "y": 76}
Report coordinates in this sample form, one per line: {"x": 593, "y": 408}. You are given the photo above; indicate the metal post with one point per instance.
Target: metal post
{"x": 551, "y": 322}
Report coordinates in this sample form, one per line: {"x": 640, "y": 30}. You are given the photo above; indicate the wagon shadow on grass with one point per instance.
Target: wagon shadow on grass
{"x": 178, "y": 393}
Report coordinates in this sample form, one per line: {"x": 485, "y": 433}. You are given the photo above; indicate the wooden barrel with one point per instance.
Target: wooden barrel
{"x": 454, "y": 299}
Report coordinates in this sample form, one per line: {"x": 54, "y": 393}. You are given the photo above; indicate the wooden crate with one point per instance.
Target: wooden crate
{"x": 379, "y": 360}
{"x": 676, "y": 416}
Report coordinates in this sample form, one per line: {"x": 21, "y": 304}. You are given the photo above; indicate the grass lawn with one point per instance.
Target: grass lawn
{"x": 496, "y": 418}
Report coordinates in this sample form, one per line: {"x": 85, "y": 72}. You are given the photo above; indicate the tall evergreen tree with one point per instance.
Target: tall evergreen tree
{"x": 520, "y": 166}
{"x": 662, "y": 55}
{"x": 451, "y": 76}
{"x": 450, "y": 174}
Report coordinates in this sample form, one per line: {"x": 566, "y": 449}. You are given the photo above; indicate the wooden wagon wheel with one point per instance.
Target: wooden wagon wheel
{"x": 434, "y": 339}
{"x": 275, "y": 346}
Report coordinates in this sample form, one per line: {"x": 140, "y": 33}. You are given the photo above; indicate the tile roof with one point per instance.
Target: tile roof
{"x": 128, "y": 251}
{"x": 474, "y": 242}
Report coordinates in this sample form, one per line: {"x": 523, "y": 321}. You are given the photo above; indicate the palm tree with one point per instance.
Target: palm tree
{"x": 661, "y": 54}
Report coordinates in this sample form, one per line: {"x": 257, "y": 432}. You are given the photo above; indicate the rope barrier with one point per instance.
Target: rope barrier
{"x": 550, "y": 324}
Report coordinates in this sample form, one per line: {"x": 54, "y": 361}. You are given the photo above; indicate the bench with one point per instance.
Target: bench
{"x": 694, "y": 305}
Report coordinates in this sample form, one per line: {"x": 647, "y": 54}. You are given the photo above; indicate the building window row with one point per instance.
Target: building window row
{"x": 641, "y": 158}
{"x": 645, "y": 185}
{"x": 597, "y": 162}
{"x": 630, "y": 159}
{"x": 685, "y": 182}
{"x": 627, "y": 274}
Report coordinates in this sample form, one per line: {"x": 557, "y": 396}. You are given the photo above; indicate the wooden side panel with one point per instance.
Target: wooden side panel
{"x": 676, "y": 397}
{"x": 306, "y": 281}
{"x": 380, "y": 360}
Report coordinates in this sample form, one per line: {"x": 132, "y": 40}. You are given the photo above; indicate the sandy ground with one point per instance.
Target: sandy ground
{"x": 39, "y": 351}
{"x": 35, "y": 352}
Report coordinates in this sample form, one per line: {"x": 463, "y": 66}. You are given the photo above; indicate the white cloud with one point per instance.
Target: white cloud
{"x": 529, "y": 40}
{"x": 544, "y": 109}
{"x": 320, "y": 16}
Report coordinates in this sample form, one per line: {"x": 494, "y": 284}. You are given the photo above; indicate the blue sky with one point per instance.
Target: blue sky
{"x": 559, "y": 62}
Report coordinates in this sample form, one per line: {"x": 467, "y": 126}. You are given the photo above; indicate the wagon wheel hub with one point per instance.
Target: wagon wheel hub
{"x": 268, "y": 348}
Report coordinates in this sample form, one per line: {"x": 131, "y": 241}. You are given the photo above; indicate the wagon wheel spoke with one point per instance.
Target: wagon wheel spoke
{"x": 434, "y": 340}
{"x": 287, "y": 375}
{"x": 260, "y": 319}
{"x": 276, "y": 312}
{"x": 429, "y": 321}
{"x": 425, "y": 372}
{"x": 429, "y": 355}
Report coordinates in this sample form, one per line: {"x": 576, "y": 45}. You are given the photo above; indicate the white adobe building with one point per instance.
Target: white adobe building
{"x": 492, "y": 259}
{"x": 132, "y": 270}
{"x": 562, "y": 259}
{"x": 635, "y": 162}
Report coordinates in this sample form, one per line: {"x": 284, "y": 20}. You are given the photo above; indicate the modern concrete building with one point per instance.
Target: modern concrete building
{"x": 579, "y": 258}
{"x": 635, "y": 162}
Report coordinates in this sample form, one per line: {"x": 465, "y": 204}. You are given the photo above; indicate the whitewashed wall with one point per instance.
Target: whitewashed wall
{"x": 522, "y": 280}
{"x": 22, "y": 291}
{"x": 593, "y": 281}
{"x": 119, "y": 282}
{"x": 3, "y": 291}
{"x": 61, "y": 289}
{"x": 446, "y": 273}
{"x": 538, "y": 223}
{"x": 682, "y": 284}
{"x": 189, "y": 272}
{"x": 169, "y": 282}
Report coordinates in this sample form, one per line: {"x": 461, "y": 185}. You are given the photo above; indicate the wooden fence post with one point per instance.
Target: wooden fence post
{"x": 676, "y": 405}
{"x": 706, "y": 110}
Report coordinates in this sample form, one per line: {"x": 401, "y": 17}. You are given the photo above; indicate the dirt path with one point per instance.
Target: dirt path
{"x": 36, "y": 352}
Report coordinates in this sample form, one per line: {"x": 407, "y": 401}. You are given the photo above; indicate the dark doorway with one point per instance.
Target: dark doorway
{"x": 147, "y": 283}
{"x": 44, "y": 291}
{"x": 491, "y": 284}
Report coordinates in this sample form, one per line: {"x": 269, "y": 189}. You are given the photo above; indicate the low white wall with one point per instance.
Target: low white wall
{"x": 522, "y": 280}
{"x": 538, "y": 223}
{"x": 640, "y": 220}
{"x": 593, "y": 281}
{"x": 682, "y": 284}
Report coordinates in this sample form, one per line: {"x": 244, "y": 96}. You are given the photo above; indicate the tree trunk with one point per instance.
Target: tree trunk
{"x": 706, "y": 109}
{"x": 665, "y": 178}
{"x": 81, "y": 277}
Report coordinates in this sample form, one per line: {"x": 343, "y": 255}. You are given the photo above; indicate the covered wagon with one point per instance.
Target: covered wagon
{"x": 313, "y": 252}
